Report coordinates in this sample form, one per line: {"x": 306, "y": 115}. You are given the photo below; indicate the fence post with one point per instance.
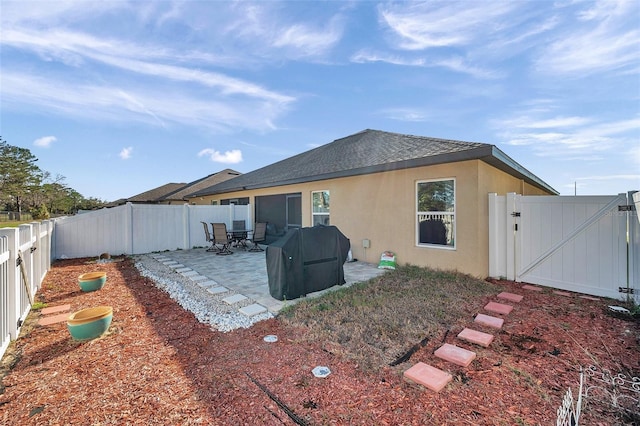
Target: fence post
{"x": 186, "y": 227}
{"x": 494, "y": 246}
{"x": 13, "y": 289}
{"x": 511, "y": 242}
{"x": 128, "y": 227}
{"x": 633, "y": 253}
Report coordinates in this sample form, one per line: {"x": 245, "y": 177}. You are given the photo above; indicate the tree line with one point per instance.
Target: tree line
{"x": 24, "y": 187}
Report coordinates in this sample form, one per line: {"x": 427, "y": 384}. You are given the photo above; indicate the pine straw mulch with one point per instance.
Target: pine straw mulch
{"x": 158, "y": 365}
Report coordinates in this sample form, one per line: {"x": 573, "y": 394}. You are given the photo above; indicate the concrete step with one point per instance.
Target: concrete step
{"x": 477, "y": 337}
{"x": 455, "y": 354}
{"x": 428, "y": 376}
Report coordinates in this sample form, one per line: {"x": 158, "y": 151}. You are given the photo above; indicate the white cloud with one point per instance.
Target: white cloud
{"x": 421, "y": 26}
{"x": 309, "y": 41}
{"x": 575, "y": 137}
{"x": 605, "y": 37}
{"x": 152, "y": 105}
{"x": 453, "y": 63}
{"x": 125, "y": 153}
{"x": 229, "y": 157}
{"x": 45, "y": 141}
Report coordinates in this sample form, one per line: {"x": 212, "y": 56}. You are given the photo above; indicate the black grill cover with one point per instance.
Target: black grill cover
{"x": 305, "y": 260}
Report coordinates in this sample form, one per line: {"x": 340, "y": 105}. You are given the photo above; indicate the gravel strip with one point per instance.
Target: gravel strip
{"x": 207, "y": 307}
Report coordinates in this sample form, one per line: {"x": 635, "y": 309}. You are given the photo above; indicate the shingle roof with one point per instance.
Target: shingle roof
{"x": 202, "y": 183}
{"x": 153, "y": 195}
{"x": 371, "y": 151}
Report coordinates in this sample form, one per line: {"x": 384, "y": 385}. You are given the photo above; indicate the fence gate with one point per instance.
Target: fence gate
{"x": 586, "y": 244}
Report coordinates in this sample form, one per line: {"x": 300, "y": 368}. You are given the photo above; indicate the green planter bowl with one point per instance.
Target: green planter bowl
{"x": 90, "y": 323}
{"x": 92, "y": 281}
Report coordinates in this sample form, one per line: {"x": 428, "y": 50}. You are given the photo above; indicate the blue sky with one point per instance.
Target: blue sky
{"x": 124, "y": 96}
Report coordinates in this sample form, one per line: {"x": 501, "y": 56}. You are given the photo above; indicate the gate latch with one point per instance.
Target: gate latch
{"x": 515, "y": 214}
{"x": 625, "y": 290}
{"x": 626, "y": 208}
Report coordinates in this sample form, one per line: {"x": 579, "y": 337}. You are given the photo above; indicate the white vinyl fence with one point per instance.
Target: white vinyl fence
{"x": 586, "y": 244}
{"x": 141, "y": 228}
{"x": 25, "y": 258}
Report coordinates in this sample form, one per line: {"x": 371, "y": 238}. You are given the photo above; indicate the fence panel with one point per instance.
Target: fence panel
{"x": 140, "y": 228}
{"x": 573, "y": 243}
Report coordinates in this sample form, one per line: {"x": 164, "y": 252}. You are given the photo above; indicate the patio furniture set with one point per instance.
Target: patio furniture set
{"x": 222, "y": 240}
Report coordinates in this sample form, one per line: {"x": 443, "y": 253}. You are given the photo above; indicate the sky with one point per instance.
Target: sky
{"x": 121, "y": 97}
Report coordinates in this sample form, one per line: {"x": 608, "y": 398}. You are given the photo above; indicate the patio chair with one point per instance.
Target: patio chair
{"x": 259, "y": 236}
{"x": 209, "y": 237}
{"x": 221, "y": 238}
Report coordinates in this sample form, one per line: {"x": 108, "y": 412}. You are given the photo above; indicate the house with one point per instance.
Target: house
{"x": 153, "y": 195}
{"x": 425, "y": 199}
{"x": 176, "y": 193}
{"x": 180, "y": 196}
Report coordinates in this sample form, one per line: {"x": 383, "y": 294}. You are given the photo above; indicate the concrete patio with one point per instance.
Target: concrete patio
{"x": 245, "y": 273}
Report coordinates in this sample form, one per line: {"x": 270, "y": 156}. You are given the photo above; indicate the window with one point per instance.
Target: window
{"x": 320, "y": 208}
{"x": 214, "y": 202}
{"x": 436, "y": 214}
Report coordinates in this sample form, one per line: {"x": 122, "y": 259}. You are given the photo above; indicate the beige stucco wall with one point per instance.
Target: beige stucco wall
{"x": 381, "y": 207}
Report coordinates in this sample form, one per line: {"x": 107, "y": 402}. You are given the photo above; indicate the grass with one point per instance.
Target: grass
{"x": 376, "y": 321}
{"x": 12, "y": 223}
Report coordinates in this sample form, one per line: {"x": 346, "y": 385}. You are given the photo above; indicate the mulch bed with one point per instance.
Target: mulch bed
{"x": 158, "y": 365}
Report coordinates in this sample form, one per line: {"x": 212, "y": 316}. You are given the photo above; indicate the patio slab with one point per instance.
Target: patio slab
{"x": 218, "y": 290}
{"x": 245, "y": 273}
{"x": 236, "y": 298}
{"x": 253, "y": 310}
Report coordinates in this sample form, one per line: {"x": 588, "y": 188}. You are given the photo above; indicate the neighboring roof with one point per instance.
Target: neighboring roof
{"x": 372, "y": 151}
{"x": 153, "y": 195}
{"x": 213, "y": 179}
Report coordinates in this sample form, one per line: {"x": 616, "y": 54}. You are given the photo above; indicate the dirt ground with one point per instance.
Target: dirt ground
{"x": 158, "y": 365}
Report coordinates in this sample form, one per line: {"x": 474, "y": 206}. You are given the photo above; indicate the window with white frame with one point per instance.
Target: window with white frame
{"x": 320, "y": 208}
{"x": 436, "y": 213}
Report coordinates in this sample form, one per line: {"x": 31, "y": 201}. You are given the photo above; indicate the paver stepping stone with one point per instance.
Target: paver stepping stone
{"x": 455, "y": 354}
{"x": 189, "y": 273}
{"x": 176, "y": 266}
{"x": 198, "y": 278}
{"x": 54, "y": 309}
{"x": 489, "y": 321}
{"x": 232, "y": 300}
{"x": 510, "y": 297}
{"x": 253, "y": 310}
{"x": 183, "y": 269}
{"x": 428, "y": 376}
{"x": 169, "y": 262}
{"x": 531, "y": 287}
{"x": 477, "y": 337}
{"x": 209, "y": 283}
{"x": 499, "y": 308}
{"x": 562, "y": 293}
{"x": 218, "y": 290}
{"x": 53, "y": 319}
